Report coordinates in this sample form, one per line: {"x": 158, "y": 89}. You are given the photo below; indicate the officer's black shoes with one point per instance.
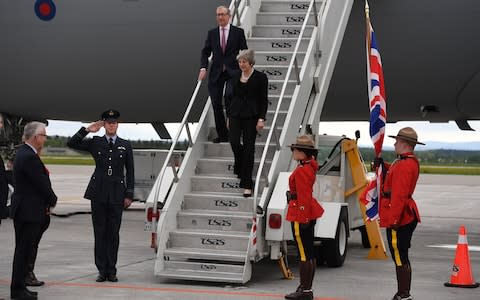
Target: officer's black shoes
{"x": 101, "y": 277}
{"x": 31, "y": 280}
{"x": 22, "y": 295}
{"x": 300, "y": 295}
{"x": 399, "y": 297}
{"x": 112, "y": 278}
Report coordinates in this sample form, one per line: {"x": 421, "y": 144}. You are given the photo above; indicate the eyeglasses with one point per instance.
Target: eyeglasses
{"x": 222, "y": 14}
{"x": 42, "y": 134}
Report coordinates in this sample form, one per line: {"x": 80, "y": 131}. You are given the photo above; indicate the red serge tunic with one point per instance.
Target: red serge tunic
{"x": 305, "y": 207}
{"x": 397, "y": 206}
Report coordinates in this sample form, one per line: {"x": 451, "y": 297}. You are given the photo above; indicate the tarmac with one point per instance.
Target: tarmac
{"x": 65, "y": 259}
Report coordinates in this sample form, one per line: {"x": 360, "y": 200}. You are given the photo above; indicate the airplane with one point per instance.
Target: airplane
{"x": 69, "y": 60}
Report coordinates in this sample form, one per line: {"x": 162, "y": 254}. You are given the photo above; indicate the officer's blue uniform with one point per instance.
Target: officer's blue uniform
{"x": 111, "y": 182}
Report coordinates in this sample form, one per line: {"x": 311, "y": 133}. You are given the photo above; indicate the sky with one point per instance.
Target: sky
{"x": 427, "y": 132}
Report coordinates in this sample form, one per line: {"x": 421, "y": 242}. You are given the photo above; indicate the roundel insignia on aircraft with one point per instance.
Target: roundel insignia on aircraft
{"x": 45, "y": 9}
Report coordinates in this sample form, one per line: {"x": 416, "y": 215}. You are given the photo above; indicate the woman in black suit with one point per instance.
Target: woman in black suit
{"x": 246, "y": 110}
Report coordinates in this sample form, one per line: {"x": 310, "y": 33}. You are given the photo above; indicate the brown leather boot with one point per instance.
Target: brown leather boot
{"x": 304, "y": 291}
{"x": 404, "y": 277}
{"x": 31, "y": 280}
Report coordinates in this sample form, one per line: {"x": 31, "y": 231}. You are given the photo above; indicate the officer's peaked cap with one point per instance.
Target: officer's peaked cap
{"x": 110, "y": 115}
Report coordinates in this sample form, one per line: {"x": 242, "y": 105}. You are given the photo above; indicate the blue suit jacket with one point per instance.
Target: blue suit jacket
{"x": 120, "y": 183}
{"x": 236, "y": 41}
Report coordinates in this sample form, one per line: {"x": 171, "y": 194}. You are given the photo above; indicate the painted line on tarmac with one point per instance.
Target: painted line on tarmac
{"x": 175, "y": 290}
{"x": 453, "y": 247}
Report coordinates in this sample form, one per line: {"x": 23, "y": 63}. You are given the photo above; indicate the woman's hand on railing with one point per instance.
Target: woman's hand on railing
{"x": 202, "y": 74}
{"x": 260, "y": 124}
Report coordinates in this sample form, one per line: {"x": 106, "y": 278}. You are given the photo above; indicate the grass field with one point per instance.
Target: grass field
{"x": 68, "y": 160}
{"x": 427, "y": 169}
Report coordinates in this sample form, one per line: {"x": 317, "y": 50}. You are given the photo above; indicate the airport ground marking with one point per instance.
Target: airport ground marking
{"x": 175, "y": 290}
{"x": 453, "y": 247}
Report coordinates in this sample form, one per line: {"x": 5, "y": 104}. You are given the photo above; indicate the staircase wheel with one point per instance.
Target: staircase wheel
{"x": 336, "y": 249}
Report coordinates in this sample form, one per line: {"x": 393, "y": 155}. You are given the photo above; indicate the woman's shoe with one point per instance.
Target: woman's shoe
{"x": 247, "y": 193}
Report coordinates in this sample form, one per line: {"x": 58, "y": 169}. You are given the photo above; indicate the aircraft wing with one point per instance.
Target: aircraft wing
{"x": 142, "y": 58}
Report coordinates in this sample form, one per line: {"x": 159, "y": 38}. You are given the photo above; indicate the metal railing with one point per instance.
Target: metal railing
{"x": 169, "y": 159}
{"x": 272, "y": 131}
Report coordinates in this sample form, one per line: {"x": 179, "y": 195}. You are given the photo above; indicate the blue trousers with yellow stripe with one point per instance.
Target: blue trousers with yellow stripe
{"x": 399, "y": 241}
{"x": 304, "y": 236}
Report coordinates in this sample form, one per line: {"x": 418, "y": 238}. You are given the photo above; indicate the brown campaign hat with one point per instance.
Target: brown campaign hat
{"x": 407, "y": 134}
{"x": 303, "y": 142}
{"x": 110, "y": 115}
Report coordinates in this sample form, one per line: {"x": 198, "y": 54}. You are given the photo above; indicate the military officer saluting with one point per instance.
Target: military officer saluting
{"x": 110, "y": 188}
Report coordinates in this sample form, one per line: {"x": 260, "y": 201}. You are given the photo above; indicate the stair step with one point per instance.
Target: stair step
{"x": 276, "y": 72}
{"x": 215, "y": 220}
{"x": 277, "y": 44}
{"x": 221, "y": 166}
{"x": 283, "y": 18}
{"x": 197, "y": 253}
{"x": 275, "y": 86}
{"x": 215, "y": 201}
{"x": 205, "y": 266}
{"x": 273, "y": 101}
{"x": 222, "y": 184}
{"x": 224, "y": 150}
{"x": 284, "y": 6}
{"x": 202, "y": 276}
{"x": 277, "y": 57}
{"x": 208, "y": 239}
{"x": 277, "y": 31}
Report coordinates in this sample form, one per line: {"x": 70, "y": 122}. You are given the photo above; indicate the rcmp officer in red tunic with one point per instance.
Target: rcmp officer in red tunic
{"x": 303, "y": 212}
{"x": 398, "y": 211}
{"x": 110, "y": 188}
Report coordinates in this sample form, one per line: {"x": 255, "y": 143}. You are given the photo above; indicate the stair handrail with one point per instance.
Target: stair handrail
{"x": 237, "y": 10}
{"x": 168, "y": 159}
{"x": 293, "y": 62}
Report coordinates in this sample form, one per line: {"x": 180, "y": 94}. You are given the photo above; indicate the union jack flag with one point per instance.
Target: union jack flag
{"x": 378, "y": 117}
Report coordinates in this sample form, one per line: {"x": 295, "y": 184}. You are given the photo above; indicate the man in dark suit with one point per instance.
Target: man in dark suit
{"x": 3, "y": 184}
{"x": 110, "y": 188}
{"x": 31, "y": 202}
{"x": 224, "y": 41}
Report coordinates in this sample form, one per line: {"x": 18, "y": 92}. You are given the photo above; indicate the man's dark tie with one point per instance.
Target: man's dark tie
{"x": 110, "y": 142}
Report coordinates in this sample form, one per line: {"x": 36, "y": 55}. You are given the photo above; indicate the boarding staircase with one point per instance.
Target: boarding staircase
{"x": 207, "y": 230}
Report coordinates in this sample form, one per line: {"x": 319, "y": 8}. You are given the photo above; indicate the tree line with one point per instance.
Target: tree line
{"x": 430, "y": 157}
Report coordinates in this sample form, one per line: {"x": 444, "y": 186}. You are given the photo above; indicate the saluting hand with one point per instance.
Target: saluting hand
{"x": 95, "y": 126}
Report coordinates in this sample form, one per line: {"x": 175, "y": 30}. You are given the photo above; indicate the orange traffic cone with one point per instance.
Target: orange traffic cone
{"x": 462, "y": 272}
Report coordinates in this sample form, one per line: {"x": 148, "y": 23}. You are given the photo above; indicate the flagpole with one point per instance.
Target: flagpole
{"x": 367, "y": 47}
{"x": 377, "y": 246}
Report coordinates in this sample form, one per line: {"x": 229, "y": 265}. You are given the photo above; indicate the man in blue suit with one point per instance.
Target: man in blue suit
{"x": 224, "y": 42}
{"x": 31, "y": 203}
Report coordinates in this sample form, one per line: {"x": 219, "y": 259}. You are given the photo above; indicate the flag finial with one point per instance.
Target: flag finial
{"x": 367, "y": 8}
